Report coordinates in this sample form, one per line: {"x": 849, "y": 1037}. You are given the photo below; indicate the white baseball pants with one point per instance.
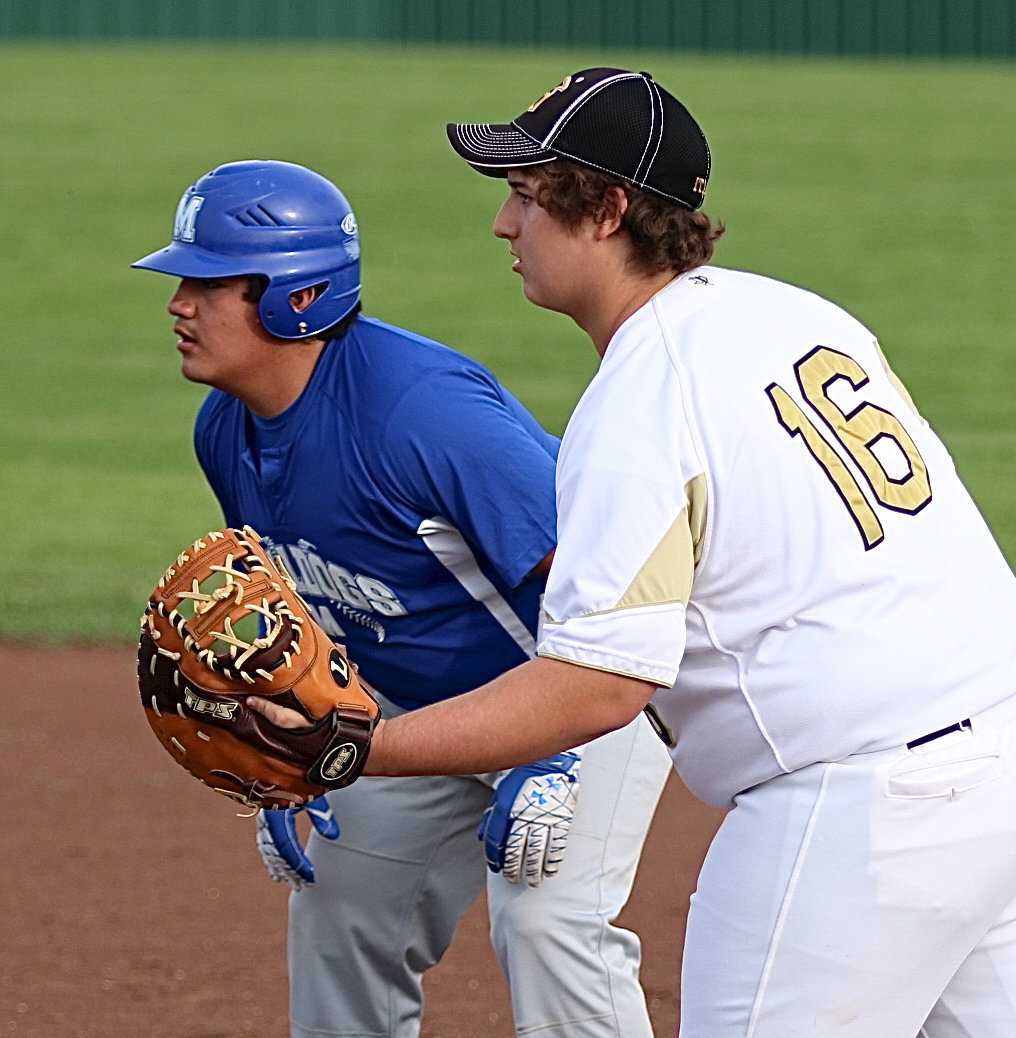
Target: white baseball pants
{"x": 874, "y": 897}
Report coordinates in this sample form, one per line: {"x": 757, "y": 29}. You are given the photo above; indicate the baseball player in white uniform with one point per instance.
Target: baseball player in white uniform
{"x": 759, "y": 534}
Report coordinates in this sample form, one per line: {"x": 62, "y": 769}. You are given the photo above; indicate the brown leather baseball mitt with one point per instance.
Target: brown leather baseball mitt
{"x": 225, "y": 622}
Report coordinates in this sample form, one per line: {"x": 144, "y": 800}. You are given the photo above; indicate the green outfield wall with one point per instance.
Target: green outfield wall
{"x": 899, "y": 28}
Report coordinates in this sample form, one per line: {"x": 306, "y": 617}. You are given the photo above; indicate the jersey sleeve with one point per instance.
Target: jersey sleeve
{"x": 459, "y": 446}
{"x": 207, "y": 428}
{"x": 632, "y": 506}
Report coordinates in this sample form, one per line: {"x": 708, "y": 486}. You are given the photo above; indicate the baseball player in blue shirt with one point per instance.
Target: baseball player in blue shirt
{"x": 412, "y": 499}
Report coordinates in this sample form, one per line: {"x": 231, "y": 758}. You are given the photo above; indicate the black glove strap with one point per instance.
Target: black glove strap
{"x": 344, "y": 755}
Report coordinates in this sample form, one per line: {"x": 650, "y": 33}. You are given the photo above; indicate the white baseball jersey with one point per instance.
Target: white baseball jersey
{"x": 753, "y": 517}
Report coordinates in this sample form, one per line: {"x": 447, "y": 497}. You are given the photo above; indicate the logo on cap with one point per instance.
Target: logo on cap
{"x": 185, "y": 224}
{"x": 559, "y": 89}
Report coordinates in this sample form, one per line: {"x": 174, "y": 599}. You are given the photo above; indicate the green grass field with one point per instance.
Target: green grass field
{"x": 885, "y": 186}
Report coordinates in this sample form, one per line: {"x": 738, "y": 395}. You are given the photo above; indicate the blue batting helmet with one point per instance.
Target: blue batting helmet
{"x": 282, "y": 221}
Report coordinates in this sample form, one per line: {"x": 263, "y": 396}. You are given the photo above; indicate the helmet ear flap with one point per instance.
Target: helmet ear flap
{"x": 277, "y": 312}
{"x": 337, "y": 296}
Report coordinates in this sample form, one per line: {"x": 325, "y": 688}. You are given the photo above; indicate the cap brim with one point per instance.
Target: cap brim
{"x": 190, "y": 261}
{"x": 495, "y": 148}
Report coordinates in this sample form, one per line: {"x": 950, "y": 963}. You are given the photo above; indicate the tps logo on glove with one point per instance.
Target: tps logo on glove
{"x": 224, "y": 711}
{"x": 338, "y": 762}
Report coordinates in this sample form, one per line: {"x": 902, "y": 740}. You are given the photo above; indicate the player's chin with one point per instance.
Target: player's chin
{"x": 539, "y": 297}
{"x": 192, "y": 370}
{"x": 532, "y": 291}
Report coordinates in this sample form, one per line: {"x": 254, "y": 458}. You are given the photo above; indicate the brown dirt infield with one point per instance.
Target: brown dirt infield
{"x": 135, "y": 906}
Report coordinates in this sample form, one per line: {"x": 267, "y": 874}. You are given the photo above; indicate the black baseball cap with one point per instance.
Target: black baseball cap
{"x": 609, "y": 119}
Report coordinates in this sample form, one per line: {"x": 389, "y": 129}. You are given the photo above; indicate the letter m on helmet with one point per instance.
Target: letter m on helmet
{"x": 185, "y": 224}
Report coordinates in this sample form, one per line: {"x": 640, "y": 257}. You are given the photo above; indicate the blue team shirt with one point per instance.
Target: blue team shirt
{"x": 410, "y": 495}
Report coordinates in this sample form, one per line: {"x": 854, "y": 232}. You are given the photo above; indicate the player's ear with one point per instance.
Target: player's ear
{"x": 611, "y": 212}
{"x": 303, "y": 297}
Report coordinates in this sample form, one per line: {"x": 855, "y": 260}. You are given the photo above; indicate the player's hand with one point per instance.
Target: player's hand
{"x": 280, "y": 716}
{"x": 279, "y": 843}
{"x": 525, "y": 827}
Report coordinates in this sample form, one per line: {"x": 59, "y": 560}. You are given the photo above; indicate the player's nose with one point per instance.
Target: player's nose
{"x": 181, "y": 304}
{"x": 504, "y": 227}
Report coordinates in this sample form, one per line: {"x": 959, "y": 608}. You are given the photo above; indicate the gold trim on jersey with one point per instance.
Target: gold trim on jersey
{"x": 894, "y": 381}
{"x": 668, "y": 573}
{"x": 697, "y": 493}
{"x": 596, "y": 666}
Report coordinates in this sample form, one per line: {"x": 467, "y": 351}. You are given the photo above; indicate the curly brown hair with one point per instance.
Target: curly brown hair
{"x": 664, "y": 235}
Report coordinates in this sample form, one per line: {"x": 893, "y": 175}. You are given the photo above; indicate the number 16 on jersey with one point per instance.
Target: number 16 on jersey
{"x": 870, "y": 435}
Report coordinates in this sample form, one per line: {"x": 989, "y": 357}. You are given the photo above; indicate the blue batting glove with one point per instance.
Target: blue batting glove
{"x": 279, "y": 843}
{"x": 525, "y": 827}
